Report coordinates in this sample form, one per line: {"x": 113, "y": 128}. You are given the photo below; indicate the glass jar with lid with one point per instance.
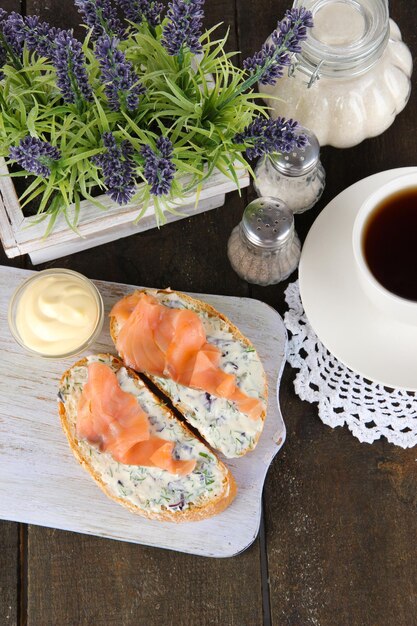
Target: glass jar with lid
{"x": 352, "y": 76}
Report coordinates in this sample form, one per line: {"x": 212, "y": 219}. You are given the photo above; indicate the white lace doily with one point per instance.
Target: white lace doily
{"x": 369, "y": 409}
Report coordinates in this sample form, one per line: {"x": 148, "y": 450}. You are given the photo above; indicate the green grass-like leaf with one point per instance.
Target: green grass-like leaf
{"x": 196, "y": 101}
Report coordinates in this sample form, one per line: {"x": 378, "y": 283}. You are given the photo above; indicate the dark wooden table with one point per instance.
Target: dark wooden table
{"x": 337, "y": 545}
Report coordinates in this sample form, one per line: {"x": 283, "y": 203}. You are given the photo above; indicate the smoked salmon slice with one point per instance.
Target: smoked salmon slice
{"x": 172, "y": 343}
{"x": 113, "y": 420}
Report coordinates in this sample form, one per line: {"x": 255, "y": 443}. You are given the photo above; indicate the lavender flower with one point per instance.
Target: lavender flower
{"x": 118, "y": 169}
{"x": 101, "y": 16}
{"x": 159, "y": 169}
{"x": 38, "y": 36}
{"x": 265, "y": 135}
{"x": 59, "y": 45}
{"x": 8, "y": 33}
{"x": 3, "y": 59}
{"x": 268, "y": 64}
{"x": 35, "y": 156}
{"x": 139, "y": 10}
{"x": 184, "y": 26}
{"x": 122, "y": 86}
{"x": 3, "y": 52}
{"x": 68, "y": 59}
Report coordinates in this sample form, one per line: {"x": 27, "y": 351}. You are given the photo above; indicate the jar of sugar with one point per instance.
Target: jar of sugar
{"x": 264, "y": 248}
{"x": 297, "y": 177}
{"x": 352, "y": 76}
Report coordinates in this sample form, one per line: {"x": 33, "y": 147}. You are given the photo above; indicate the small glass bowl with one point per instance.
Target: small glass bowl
{"x": 14, "y": 302}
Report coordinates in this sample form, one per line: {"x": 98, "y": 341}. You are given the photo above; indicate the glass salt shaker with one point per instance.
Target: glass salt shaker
{"x": 264, "y": 248}
{"x": 297, "y": 178}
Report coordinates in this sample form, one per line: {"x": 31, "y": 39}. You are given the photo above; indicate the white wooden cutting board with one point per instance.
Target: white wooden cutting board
{"x": 42, "y": 483}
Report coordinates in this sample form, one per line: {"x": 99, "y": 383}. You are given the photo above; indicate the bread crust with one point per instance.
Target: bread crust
{"x": 192, "y": 514}
{"x": 212, "y": 312}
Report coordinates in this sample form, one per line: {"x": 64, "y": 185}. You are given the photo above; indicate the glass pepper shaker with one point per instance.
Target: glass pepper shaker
{"x": 297, "y": 178}
{"x": 264, "y": 248}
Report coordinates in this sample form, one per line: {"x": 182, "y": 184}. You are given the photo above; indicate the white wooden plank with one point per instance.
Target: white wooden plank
{"x": 41, "y": 483}
{"x": 47, "y": 252}
{"x": 11, "y": 216}
{"x": 20, "y": 236}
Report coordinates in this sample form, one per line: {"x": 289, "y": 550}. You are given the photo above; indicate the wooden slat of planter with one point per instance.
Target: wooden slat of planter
{"x": 11, "y": 216}
{"x": 48, "y": 251}
{"x": 20, "y": 236}
{"x": 92, "y": 220}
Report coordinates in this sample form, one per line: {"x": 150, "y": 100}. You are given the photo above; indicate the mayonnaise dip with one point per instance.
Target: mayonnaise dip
{"x": 57, "y": 312}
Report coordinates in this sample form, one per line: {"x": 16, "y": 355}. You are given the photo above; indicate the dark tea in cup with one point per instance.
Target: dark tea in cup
{"x": 384, "y": 241}
{"x": 389, "y": 242}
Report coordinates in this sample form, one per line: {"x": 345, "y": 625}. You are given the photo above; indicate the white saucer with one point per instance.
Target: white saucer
{"x": 342, "y": 316}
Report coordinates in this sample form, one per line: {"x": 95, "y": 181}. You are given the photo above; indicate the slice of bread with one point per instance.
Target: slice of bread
{"x": 218, "y": 420}
{"x": 148, "y": 491}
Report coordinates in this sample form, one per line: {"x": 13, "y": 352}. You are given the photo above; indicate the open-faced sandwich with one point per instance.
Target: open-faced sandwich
{"x": 135, "y": 448}
{"x": 132, "y": 444}
{"x": 200, "y": 360}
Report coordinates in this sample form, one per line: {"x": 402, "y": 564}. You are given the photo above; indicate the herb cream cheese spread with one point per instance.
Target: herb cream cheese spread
{"x": 150, "y": 488}
{"x": 218, "y": 420}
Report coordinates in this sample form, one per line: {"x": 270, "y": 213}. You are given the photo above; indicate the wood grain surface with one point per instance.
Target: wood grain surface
{"x": 10, "y": 555}
{"x": 340, "y": 517}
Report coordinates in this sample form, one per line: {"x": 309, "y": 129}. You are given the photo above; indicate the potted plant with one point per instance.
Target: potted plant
{"x": 139, "y": 118}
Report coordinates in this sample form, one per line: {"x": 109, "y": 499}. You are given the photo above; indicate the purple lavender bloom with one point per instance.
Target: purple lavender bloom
{"x": 265, "y": 135}
{"x": 3, "y": 59}
{"x": 184, "y": 26}
{"x": 122, "y": 86}
{"x": 38, "y": 36}
{"x": 9, "y": 38}
{"x": 35, "y": 156}
{"x": 139, "y": 10}
{"x": 3, "y": 52}
{"x": 101, "y": 16}
{"x": 268, "y": 64}
{"x": 118, "y": 169}
{"x": 68, "y": 59}
{"x": 159, "y": 169}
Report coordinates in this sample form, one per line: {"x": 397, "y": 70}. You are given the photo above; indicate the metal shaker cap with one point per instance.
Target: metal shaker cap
{"x": 299, "y": 161}
{"x": 268, "y": 223}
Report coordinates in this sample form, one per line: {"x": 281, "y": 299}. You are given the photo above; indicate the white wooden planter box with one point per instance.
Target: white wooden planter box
{"x": 95, "y": 226}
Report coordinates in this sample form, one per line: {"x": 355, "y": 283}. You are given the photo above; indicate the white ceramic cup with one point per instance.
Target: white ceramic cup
{"x": 396, "y": 307}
